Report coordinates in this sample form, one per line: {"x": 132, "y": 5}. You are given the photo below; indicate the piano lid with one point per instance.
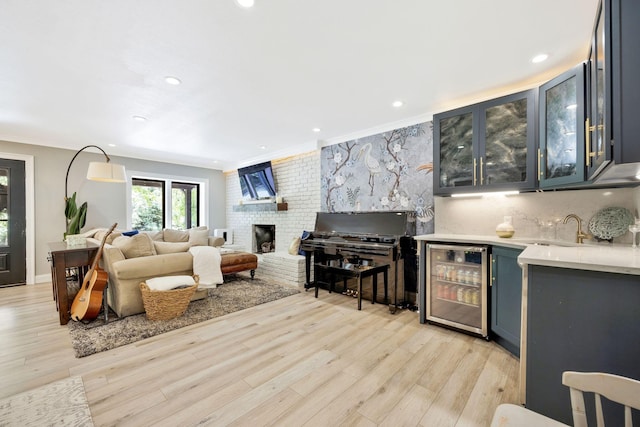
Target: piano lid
{"x": 394, "y": 223}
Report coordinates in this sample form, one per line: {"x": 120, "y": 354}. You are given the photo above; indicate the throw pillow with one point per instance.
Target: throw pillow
{"x": 171, "y": 247}
{"x": 305, "y": 236}
{"x": 199, "y": 237}
{"x": 175, "y": 235}
{"x": 100, "y": 235}
{"x": 157, "y": 236}
{"x": 294, "y": 246}
{"x": 135, "y": 246}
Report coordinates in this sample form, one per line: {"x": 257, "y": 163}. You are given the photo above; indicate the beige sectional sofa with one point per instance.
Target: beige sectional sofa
{"x": 135, "y": 259}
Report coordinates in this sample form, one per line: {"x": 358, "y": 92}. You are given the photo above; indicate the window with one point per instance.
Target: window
{"x": 147, "y": 202}
{"x": 157, "y": 202}
{"x": 184, "y": 202}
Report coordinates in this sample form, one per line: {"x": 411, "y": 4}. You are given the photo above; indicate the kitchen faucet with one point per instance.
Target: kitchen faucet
{"x": 580, "y": 235}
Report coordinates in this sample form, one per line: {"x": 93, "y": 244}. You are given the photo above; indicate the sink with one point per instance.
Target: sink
{"x": 544, "y": 242}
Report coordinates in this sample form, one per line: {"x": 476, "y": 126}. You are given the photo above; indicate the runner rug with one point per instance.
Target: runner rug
{"x": 62, "y": 403}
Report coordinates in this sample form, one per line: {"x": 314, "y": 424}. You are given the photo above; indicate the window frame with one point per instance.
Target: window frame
{"x": 203, "y": 202}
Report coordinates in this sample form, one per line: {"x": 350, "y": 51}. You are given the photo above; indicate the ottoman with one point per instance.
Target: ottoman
{"x": 234, "y": 262}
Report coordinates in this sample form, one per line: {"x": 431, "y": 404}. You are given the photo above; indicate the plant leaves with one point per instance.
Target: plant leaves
{"x": 83, "y": 215}
{"x": 70, "y": 208}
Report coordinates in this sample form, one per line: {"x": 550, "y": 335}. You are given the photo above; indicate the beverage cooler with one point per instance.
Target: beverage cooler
{"x": 456, "y": 287}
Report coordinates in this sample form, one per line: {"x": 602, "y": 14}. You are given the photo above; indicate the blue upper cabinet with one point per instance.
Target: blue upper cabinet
{"x": 612, "y": 125}
{"x": 488, "y": 146}
{"x": 455, "y": 148}
{"x": 598, "y": 121}
{"x": 561, "y": 159}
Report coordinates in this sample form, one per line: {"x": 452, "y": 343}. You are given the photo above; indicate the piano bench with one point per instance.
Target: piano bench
{"x": 360, "y": 273}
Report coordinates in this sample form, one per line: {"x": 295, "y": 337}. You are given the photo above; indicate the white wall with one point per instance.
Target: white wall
{"x": 298, "y": 182}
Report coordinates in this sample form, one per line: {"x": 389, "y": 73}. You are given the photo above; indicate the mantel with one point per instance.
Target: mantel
{"x": 260, "y": 207}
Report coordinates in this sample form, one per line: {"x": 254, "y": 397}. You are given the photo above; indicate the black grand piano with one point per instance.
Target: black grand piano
{"x": 365, "y": 238}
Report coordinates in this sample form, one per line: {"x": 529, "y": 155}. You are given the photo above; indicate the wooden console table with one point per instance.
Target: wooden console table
{"x": 63, "y": 257}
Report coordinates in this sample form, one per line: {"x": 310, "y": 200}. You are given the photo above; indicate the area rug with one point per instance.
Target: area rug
{"x": 237, "y": 293}
{"x": 62, "y": 403}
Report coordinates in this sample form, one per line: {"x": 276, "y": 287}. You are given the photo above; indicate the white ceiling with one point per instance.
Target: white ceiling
{"x": 75, "y": 72}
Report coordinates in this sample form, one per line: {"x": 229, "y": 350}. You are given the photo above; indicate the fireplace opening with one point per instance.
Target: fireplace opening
{"x": 264, "y": 238}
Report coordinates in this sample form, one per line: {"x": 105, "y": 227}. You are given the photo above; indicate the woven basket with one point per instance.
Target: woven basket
{"x": 165, "y": 305}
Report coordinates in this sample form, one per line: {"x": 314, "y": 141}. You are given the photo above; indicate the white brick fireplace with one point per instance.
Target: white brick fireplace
{"x": 298, "y": 183}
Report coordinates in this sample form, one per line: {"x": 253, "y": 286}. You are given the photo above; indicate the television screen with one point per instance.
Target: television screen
{"x": 257, "y": 181}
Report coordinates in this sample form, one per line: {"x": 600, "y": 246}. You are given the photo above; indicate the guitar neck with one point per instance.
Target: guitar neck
{"x": 96, "y": 259}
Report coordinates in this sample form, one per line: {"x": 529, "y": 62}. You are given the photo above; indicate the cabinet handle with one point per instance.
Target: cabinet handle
{"x": 491, "y": 262}
{"x": 588, "y": 154}
{"x": 475, "y": 164}
{"x": 481, "y": 174}
{"x": 587, "y": 139}
{"x": 539, "y": 162}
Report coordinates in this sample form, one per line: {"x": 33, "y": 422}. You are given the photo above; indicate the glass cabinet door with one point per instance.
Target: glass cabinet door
{"x": 595, "y": 126}
{"x": 561, "y": 155}
{"x": 455, "y": 145}
{"x": 506, "y": 127}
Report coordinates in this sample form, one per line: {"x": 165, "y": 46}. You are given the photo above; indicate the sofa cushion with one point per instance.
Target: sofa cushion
{"x": 136, "y": 246}
{"x": 171, "y": 247}
{"x": 198, "y": 237}
{"x": 175, "y": 235}
{"x": 216, "y": 241}
{"x": 143, "y": 268}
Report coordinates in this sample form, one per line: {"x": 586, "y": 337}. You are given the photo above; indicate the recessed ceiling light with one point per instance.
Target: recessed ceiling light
{"x": 398, "y": 104}
{"x": 316, "y": 130}
{"x": 139, "y": 119}
{"x": 263, "y": 147}
{"x": 539, "y": 58}
{"x": 245, "y": 3}
{"x": 111, "y": 145}
{"x": 172, "y": 80}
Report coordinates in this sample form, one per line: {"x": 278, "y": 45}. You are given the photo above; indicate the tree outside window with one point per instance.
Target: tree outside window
{"x": 150, "y": 203}
{"x": 147, "y": 202}
{"x": 184, "y": 205}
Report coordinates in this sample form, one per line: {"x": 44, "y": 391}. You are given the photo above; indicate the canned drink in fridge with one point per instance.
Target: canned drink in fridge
{"x": 475, "y": 300}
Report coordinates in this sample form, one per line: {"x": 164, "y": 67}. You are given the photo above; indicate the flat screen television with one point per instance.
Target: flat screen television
{"x": 257, "y": 181}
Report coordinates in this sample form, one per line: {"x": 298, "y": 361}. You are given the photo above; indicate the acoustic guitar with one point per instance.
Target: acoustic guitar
{"x": 88, "y": 301}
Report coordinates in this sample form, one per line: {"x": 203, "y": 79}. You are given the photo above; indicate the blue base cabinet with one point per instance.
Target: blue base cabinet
{"x": 579, "y": 320}
{"x": 506, "y": 298}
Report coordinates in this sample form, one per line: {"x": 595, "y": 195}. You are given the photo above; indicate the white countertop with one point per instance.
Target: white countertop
{"x": 589, "y": 256}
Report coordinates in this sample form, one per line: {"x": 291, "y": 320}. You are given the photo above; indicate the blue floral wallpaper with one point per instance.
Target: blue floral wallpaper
{"x": 388, "y": 171}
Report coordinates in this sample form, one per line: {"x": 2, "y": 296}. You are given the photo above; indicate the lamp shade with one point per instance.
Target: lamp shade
{"x": 106, "y": 172}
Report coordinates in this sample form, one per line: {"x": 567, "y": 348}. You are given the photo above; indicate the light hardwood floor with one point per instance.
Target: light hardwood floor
{"x": 292, "y": 362}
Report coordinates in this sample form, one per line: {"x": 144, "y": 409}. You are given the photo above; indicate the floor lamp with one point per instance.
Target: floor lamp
{"x": 97, "y": 171}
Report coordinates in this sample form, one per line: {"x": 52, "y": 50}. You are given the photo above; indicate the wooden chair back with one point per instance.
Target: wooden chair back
{"x": 625, "y": 391}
